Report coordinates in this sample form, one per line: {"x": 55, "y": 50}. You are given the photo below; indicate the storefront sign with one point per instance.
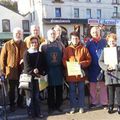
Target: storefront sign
{"x": 93, "y": 21}
{"x": 60, "y": 21}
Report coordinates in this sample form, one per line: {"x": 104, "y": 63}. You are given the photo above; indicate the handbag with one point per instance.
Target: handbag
{"x": 42, "y": 81}
{"x": 25, "y": 81}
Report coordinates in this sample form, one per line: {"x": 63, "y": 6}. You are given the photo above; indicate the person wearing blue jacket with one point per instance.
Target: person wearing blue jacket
{"x": 95, "y": 46}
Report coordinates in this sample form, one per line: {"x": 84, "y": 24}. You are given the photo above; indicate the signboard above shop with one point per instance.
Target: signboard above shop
{"x": 102, "y": 21}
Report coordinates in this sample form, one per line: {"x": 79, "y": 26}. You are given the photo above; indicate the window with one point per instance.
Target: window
{"x": 57, "y": 12}
{"x": 98, "y": 13}
{"x": 25, "y": 24}
{"x": 115, "y": 9}
{"x": 88, "y": 13}
{"x": 115, "y": 1}
{"x": 76, "y": 12}
{"x": 6, "y": 25}
{"x": 98, "y": 1}
{"x": 88, "y": 0}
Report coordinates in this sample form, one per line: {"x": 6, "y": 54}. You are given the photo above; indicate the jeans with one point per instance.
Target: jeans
{"x": 77, "y": 94}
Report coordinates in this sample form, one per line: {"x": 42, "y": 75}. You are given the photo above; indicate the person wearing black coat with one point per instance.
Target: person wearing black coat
{"x": 34, "y": 64}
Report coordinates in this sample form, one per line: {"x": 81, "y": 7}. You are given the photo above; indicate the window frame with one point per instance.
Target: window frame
{"x": 24, "y": 27}
{"x": 58, "y": 9}
{"x": 4, "y": 28}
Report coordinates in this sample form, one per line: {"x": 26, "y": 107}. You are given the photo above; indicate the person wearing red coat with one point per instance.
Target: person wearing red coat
{"x": 76, "y": 52}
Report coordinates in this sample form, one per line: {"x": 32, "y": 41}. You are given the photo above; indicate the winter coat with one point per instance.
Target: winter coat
{"x": 110, "y": 77}
{"x": 9, "y": 59}
{"x": 79, "y": 54}
{"x": 95, "y": 49}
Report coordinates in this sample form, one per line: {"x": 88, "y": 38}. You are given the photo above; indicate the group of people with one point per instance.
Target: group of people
{"x": 38, "y": 56}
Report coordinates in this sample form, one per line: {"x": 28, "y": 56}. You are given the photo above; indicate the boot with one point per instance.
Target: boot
{"x": 118, "y": 109}
{"x": 110, "y": 109}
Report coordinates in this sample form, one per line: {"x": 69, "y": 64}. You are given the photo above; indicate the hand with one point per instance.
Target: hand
{"x": 36, "y": 71}
{"x": 21, "y": 61}
{"x": 110, "y": 68}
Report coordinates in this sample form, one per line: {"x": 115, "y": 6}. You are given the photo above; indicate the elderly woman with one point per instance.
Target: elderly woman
{"x": 34, "y": 64}
{"x": 95, "y": 46}
{"x": 112, "y": 75}
{"x": 53, "y": 50}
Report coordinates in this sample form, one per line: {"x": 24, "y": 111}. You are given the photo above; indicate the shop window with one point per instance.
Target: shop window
{"x": 6, "y": 25}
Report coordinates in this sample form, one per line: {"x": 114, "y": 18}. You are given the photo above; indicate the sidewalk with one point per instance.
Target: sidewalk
{"x": 91, "y": 114}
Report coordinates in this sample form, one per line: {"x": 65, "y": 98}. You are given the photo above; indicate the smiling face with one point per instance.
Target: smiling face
{"x": 51, "y": 34}
{"x": 34, "y": 43}
{"x": 95, "y": 32}
{"x": 111, "y": 40}
{"x": 17, "y": 34}
{"x": 75, "y": 40}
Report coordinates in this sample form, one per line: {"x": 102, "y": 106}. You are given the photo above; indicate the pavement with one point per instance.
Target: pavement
{"x": 90, "y": 114}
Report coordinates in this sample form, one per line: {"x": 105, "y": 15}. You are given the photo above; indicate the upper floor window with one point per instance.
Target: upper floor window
{"x": 116, "y": 1}
{"x": 57, "y": 12}
{"x": 76, "y": 12}
{"x": 25, "y": 24}
{"x": 98, "y": 13}
{"x": 115, "y": 9}
{"x": 6, "y": 25}
{"x": 88, "y": 13}
{"x": 98, "y": 1}
{"x": 59, "y": 1}
{"x": 88, "y": 0}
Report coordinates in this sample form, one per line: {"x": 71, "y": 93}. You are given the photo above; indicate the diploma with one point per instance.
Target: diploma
{"x": 73, "y": 68}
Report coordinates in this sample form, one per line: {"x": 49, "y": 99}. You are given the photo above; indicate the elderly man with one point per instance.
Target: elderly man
{"x": 35, "y": 32}
{"x": 11, "y": 60}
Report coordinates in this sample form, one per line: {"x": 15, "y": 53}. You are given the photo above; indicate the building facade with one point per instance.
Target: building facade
{"x": 9, "y": 20}
{"x": 69, "y": 13}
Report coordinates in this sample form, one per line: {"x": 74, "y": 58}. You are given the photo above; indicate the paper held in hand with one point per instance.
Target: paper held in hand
{"x": 73, "y": 68}
{"x": 111, "y": 56}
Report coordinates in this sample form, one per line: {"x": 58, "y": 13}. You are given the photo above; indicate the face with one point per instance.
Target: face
{"x": 17, "y": 35}
{"x": 95, "y": 32}
{"x": 35, "y": 31}
{"x": 111, "y": 42}
{"x": 51, "y": 35}
{"x": 75, "y": 40}
{"x": 58, "y": 32}
{"x": 34, "y": 44}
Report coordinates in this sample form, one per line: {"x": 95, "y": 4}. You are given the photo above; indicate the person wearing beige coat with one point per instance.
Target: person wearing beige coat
{"x": 11, "y": 61}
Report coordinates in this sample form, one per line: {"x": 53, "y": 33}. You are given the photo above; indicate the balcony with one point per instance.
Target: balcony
{"x": 116, "y": 15}
{"x": 57, "y": 1}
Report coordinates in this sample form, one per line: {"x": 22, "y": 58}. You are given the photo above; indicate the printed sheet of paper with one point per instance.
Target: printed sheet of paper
{"x": 73, "y": 68}
{"x": 110, "y": 56}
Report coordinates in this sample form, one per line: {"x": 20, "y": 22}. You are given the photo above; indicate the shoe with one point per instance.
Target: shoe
{"x": 110, "y": 109}
{"x": 81, "y": 110}
{"x": 105, "y": 107}
{"x": 59, "y": 110}
{"x": 72, "y": 111}
{"x": 118, "y": 109}
{"x": 93, "y": 106}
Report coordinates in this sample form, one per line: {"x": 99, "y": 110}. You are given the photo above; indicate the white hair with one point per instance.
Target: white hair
{"x": 17, "y": 29}
{"x": 34, "y": 26}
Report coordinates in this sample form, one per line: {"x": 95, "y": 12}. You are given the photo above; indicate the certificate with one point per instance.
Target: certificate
{"x": 73, "y": 68}
{"x": 110, "y": 56}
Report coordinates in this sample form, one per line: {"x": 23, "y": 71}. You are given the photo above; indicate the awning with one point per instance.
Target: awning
{"x": 5, "y": 35}
{"x": 64, "y": 21}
